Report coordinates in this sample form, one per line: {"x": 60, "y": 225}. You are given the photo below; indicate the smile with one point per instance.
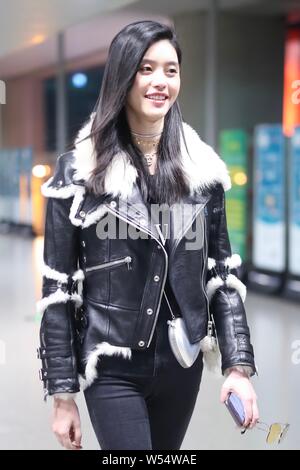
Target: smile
{"x": 157, "y": 98}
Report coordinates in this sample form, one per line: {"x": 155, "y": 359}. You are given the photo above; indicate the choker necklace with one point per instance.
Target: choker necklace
{"x": 146, "y": 135}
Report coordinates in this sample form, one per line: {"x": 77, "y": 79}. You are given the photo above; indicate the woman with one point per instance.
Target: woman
{"x": 136, "y": 271}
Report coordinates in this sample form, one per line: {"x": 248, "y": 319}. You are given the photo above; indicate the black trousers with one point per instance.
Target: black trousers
{"x": 144, "y": 403}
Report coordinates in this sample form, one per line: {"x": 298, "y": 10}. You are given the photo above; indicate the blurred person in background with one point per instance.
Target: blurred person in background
{"x": 111, "y": 337}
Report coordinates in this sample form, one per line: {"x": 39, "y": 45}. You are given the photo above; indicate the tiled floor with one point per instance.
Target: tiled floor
{"x": 25, "y": 418}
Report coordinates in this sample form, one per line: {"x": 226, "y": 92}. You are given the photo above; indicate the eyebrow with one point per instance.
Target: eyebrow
{"x": 154, "y": 62}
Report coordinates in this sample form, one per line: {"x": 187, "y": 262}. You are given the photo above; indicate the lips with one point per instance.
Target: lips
{"x": 157, "y": 97}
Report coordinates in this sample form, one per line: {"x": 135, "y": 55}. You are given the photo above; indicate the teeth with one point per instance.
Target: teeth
{"x": 155, "y": 97}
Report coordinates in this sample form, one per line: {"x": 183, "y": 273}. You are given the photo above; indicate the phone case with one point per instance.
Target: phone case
{"x": 236, "y": 409}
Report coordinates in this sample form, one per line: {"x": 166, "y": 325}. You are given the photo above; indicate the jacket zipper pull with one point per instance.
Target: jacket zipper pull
{"x": 209, "y": 328}
{"x": 128, "y": 260}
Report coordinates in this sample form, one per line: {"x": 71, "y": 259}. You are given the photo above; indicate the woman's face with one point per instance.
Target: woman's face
{"x": 159, "y": 76}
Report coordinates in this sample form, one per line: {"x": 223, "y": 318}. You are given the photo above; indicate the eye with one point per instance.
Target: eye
{"x": 143, "y": 69}
{"x": 172, "y": 71}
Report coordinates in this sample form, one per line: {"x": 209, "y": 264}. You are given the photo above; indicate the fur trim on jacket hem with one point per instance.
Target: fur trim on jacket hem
{"x": 101, "y": 349}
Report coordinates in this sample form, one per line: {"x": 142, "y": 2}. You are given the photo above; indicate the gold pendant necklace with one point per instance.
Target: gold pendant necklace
{"x": 151, "y": 152}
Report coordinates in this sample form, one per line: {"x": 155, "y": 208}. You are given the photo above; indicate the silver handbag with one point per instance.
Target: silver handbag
{"x": 185, "y": 352}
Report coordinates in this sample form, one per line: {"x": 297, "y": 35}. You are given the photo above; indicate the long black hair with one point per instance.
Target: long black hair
{"x": 110, "y": 132}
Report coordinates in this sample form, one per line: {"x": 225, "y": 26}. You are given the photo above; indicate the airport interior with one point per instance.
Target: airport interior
{"x": 240, "y": 90}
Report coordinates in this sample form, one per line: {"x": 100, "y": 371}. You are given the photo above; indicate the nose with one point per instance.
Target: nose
{"x": 159, "y": 79}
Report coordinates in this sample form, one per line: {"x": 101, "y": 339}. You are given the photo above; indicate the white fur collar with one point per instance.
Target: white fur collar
{"x": 203, "y": 167}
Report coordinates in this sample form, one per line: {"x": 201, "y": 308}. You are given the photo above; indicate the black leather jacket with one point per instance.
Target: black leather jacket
{"x": 101, "y": 295}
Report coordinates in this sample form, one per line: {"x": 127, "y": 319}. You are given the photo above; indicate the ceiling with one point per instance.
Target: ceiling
{"x": 28, "y": 28}
{"x": 268, "y": 7}
{"x": 92, "y": 36}
{"x": 22, "y": 20}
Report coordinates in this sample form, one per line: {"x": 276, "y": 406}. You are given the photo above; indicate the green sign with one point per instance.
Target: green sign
{"x": 233, "y": 149}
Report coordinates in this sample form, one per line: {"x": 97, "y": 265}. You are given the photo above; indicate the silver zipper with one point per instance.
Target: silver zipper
{"x": 166, "y": 259}
{"x": 127, "y": 260}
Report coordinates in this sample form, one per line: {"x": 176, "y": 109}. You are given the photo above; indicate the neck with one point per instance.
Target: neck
{"x": 143, "y": 126}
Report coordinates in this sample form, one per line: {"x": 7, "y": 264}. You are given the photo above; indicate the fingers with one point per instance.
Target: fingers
{"x": 240, "y": 385}
{"x": 66, "y": 424}
{"x": 248, "y": 412}
{"x": 64, "y": 439}
{"x": 255, "y": 415}
{"x": 77, "y": 436}
{"x": 68, "y": 439}
{"x": 251, "y": 412}
{"x": 67, "y": 444}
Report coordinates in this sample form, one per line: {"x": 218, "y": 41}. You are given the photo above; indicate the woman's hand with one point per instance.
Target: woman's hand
{"x": 239, "y": 383}
{"x": 66, "y": 423}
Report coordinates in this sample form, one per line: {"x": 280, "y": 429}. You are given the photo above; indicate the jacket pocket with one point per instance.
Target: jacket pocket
{"x": 127, "y": 260}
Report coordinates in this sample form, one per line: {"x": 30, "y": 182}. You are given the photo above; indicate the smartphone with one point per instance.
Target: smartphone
{"x": 236, "y": 409}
